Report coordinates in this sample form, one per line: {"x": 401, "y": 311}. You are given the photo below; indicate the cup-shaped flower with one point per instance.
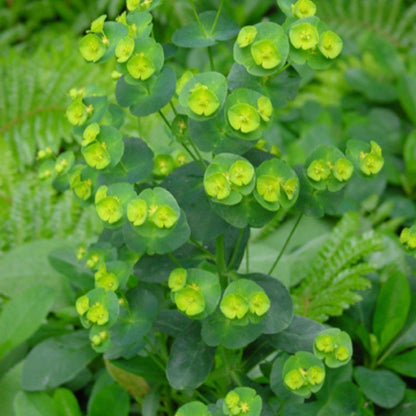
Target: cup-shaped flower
{"x": 259, "y": 303}
{"x": 343, "y": 169}
{"x": 90, "y": 134}
{"x": 98, "y": 314}
{"x": 132, "y": 5}
{"x": 371, "y": 163}
{"x": 96, "y": 155}
{"x": 246, "y": 36}
{"x": 179, "y": 158}
{"x": 76, "y": 112}
{"x": 243, "y": 117}
{"x": 137, "y": 211}
{"x": 217, "y": 186}
{"x": 234, "y": 306}
{"x": 232, "y": 399}
{"x": 190, "y": 300}
{"x": 163, "y": 165}
{"x": 304, "y": 36}
{"x": 109, "y": 209}
{"x": 330, "y": 44}
{"x": 294, "y": 379}
{"x": 315, "y": 375}
{"x": 241, "y": 172}
{"x": 124, "y": 49}
{"x": 202, "y": 101}
{"x": 107, "y": 280}
{"x": 342, "y": 353}
{"x": 265, "y": 108}
{"x": 83, "y": 189}
{"x": 325, "y": 343}
{"x": 92, "y": 47}
{"x": 177, "y": 279}
{"x": 164, "y": 217}
{"x": 318, "y": 170}
{"x": 304, "y": 8}
{"x": 268, "y": 187}
{"x": 140, "y": 66}
{"x": 101, "y": 194}
{"x": 82, "y": 305}
{"x": 265, "y": 53}
{"x": 290, "y": 187}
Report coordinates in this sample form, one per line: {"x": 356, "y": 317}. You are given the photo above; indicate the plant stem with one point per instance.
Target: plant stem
{"x": 247, "y": 258}
{"x": 214, "y": 25}
{"x": 219, "y": 248}
{"x": 202, "y": 248}
{"x": 211, "y": 58}
{"x": 289, "y": 237}
{"x": 236, "y": 248}
{"x": 197, "y": 19}
{"x": 174, "y": 259}
{"x": 173, "y": 108}
{"x": 165, "y": 119}
{"x": 194, "y": 146}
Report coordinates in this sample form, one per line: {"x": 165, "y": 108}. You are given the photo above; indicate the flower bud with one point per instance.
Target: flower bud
{"x": 259, "y": 303}
{"x": 243, "y": 117}
{"x": 234, "y": 306}
{"x": 304, "y": 36}
{"x": 265, "y": 54}
{"x": 325, "y": 343}
{"x": 92, "y": 47}
{"x": 330, "y": 44}
{"x": 268, "y": 187}
{"x": 98, "y": 314}
{"x": 140, "y": 67}
{"x": 90, "y": 133}
{"x": 304, "y": 8}
{"x": 177, "y": 279}
{"x": 76, "y": 113}
{"x": 370, "y": 163}
{"x": 343, "y": 169}
{"x": 246, "y": 36}
{"x": 202, "y": 101}
{"x": 190, "y": 300}
{"x": 164, "y": 217}
{"x": 232, "y": 399}
{"x": 241, "y": 173}
{"x": 124, "y": 49}
{"x": 342, "y": 353}
{"x": 217, "y": 186}
{"x": 179, "y": 158}
{"x": 96, "y": 155}
{"x": 294, "y": 379}
{"x": 82, "y": 305}
{"x": 315, "y": 375}
{"x": 106, "y": 280}
{"x": 163, "y": 165}
{"x": 137, "y": 211}
{"x": 83, "y": 189}
{"x": 318, "y": 170}
{"x": 109, "y": 209}
{"x": 265, "y": 108}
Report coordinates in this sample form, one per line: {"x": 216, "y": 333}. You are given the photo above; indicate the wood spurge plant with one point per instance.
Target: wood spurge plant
{"x": 185, "y": 156}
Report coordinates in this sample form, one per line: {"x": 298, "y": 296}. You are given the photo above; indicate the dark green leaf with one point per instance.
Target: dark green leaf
{"x": 33, "y": 404}
{"x": 407, "y": 95}
{"x": 111, "y": 400}
{"x": 66, "y": 403}
{"x": 404, "y": 364}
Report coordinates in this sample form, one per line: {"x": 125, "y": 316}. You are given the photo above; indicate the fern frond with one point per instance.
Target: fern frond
{"x": 390, "y": 19}
{"x": 337, "y": 272}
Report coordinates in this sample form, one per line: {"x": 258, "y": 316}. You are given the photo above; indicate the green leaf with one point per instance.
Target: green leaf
{"x": 299, "y": 336}
{"x": 114, "y": 31}
{"x": 192, "y": 36}
{"x": 23, "y": 315}
{"x": 151, "y": 403}
{"x": 66, "y": 356}
{"x": 409, "y": 153}
{"x": 404, "y": 364}
{"x": 66, "y": 403}
{"x": 135, "y": 166}
{"x": 383, "y": 387}
{"x": 190, "y": 360}
{"x": 9, "y": 387}
{"x": 392, "y": 307}
{"x": 33, "y": 404}
{"x": 133, "y": 324}
{"x": 407, "y": 95}
{"x": 29, "y": 265}
{"x": 109, "y": 401}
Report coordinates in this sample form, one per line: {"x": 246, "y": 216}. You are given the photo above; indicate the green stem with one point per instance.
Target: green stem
{"x": 247, "y": 258}
{"x": 214, "y": 25}
{"x": 236, "y": 248}
{"x": 165, "y": 119}
{"x": 197, "y": 18}
{"x": 211, "y": 58}
{"x": 174, "y": 259}
{"x": 289, "y": 237}
{"x": 219, "y": 248}
{"x": 173, "y": 108}
{"x": 194, "y": 146}
{"x": 192, "y": 156}
{"x": 202, "y": 248}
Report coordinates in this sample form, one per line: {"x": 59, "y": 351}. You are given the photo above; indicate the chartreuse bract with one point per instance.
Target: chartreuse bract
{"x": 164, "y": 278}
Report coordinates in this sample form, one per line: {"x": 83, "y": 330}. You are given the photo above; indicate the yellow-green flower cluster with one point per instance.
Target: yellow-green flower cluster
{"x": 105, "y": 279}
{"x": 304, "y": 8}
{"x": 269, "y": 187}
{"x": 302, "y": 377}
{"x": 163, "y": 216}
{"x": 202, "y": 100}
{"x": 371, "y": 162}
{"x": 93, "y": 46}
{"x": 77, "y": 112}
{"x": 333, "y": 346}
{"x": 109, "y": 208}
{"x": 96, "y": 313}
{"x": 320, "y": 170}
{"x": 82, "y": 188}
{"x": 242, "y": 401}
{"x": 408, "y": 237}
{"x": 189, "y": 298}
{"x": 220, "y": 184}
{"x": 163, "y": 165}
